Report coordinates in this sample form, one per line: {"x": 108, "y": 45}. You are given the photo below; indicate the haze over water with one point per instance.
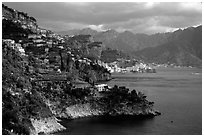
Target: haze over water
{"x": 177, "y": 93}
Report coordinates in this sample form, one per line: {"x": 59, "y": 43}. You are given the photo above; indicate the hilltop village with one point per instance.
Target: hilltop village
{"x": 42, "y": 74}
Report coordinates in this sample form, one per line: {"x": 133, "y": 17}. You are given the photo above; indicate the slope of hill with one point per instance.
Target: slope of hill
{"x": 185, "y": 49}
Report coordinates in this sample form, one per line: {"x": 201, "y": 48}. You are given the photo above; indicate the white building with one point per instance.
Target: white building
{"x": 101, "y": 87}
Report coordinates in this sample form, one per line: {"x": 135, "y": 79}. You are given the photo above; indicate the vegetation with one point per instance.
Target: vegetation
{"x": 20, "y": 101}
{"x": 11, "y": 30}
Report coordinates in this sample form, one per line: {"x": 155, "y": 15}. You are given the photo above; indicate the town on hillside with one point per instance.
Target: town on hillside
{"x": 45, "y": 45}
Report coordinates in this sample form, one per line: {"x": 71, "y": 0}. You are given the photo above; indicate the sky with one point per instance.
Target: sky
{"x": 138, "y": 17}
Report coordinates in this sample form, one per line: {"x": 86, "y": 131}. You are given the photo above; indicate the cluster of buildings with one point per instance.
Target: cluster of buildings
{"x": 141, "y": 67}
{"x": 16, "y": 46}
{"x": 114, "y": 67}
{"x": 39, "y": 46}
{"x": 46, "y": 38}
{"x": 40, "y": 36}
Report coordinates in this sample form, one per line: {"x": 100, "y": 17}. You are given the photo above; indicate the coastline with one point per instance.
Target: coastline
{"x": 94, "y": 108}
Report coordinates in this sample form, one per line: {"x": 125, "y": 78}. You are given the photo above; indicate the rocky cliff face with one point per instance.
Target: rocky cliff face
{"x": 78, "y": 67}
{"x": 82, "y": 59}
{"x": 86, "y": 46}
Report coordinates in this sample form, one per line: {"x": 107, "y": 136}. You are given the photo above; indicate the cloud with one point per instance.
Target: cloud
{"x": 191, "y": 6}
{"x": 139, "y": 17}
{"x": 97, "y": 27}
{"x": 61, "y": 26}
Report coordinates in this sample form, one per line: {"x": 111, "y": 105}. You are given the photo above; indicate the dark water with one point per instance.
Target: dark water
{"x": 177, "y": 94}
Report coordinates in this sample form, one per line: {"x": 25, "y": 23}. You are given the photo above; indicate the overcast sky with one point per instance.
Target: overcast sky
{"x": 139, "y": 17}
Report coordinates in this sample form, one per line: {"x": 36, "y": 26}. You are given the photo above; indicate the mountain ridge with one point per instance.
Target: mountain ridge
{"x": 136, "y": 41}
{"x": 185, "y": 49}
{"x": 188, "y": 40}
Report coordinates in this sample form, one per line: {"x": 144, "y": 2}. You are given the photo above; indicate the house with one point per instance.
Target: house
{"x": 9, "y": 42}
{"x": 34, "y": 36}
{"x": 39, "y": 45}
{"x": 101, "y": 87}
{"x": 38, "y": 40}
{"x": 46, "y": 50}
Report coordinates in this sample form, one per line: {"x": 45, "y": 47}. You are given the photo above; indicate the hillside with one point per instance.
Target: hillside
{"x": 110, "y": 55}
{"x": 185, "y": 49}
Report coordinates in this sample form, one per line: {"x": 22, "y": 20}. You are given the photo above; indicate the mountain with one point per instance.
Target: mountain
{"x": 124, "y": 41}
{"x": 85, "y": 31}
{"x": 110, "y": 55}
{"x": 129, "y": 42}
{"x": 183, "y": 48}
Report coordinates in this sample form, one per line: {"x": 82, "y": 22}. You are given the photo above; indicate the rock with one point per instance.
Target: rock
{"x": 46, "y": 125}
{"x": 158, "y": 113}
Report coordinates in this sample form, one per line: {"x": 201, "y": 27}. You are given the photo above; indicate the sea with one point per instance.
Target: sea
{"x": 176, "y": 93}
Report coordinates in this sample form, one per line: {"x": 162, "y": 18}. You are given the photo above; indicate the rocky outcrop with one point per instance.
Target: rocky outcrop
{"x": 83, "y": 110}
{"x": 87, "y": 110}
{"x": 134, "y": 110}
{"x": 46, "y": 125}
{"x": 83, "y": 68}
{"x": 85, "y": 45}
{"x": 78, "y": 103}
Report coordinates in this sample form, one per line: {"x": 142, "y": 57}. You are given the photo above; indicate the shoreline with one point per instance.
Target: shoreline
{"x": 101, "y": 108}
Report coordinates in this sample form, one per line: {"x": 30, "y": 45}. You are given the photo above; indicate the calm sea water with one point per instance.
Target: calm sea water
{"x": 177, "y": 93}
